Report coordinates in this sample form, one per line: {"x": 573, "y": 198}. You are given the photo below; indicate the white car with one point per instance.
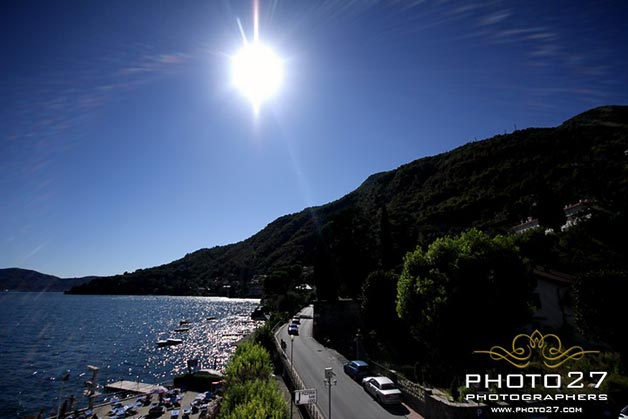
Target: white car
{"x": 382, "y": 389}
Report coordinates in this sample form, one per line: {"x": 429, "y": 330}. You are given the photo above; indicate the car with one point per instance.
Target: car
{"x": 296, "y": 320}
{"x": 624, "y": 413}
{"x": 293, "y": 329}
{"x": 382, "y": 389}
{"x": 356, "y": 369}
{"x": 156, "y": 410}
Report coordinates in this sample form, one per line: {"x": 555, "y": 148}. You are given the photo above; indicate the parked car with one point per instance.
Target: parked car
{"x": 356, "y": 369}
{"x": 293, "y": 329}
{"x": 156, "y": 411}
{"x": 382, "y": 389}
{"x": 296, "y": 320}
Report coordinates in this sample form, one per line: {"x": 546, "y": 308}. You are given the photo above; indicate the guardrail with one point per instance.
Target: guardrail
{"x": 312, "y": 410}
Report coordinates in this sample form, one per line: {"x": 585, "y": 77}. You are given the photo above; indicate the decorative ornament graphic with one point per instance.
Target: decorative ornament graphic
{"x": 548, "y": 347}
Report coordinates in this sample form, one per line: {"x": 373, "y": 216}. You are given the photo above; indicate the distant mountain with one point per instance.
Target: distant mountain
{"x": 16, "y": 279}
{"x": 491, "y": 185}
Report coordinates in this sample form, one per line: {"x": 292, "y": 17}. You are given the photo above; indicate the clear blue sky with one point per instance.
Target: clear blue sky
{"x": 123, "y": 144}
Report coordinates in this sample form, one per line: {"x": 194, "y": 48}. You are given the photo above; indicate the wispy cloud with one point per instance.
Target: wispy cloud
{"x": 34, "y": 251}
{"x": 45, "y": 116}
{"x": 494, "y": 18}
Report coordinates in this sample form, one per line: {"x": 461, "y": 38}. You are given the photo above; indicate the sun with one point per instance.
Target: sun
{"x": 257, "y": 72}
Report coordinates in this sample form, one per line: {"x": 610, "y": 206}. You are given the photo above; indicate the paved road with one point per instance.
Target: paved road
{"x": 348, "y": 398}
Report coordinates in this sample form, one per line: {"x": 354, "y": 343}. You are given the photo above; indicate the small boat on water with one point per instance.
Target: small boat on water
{"x": 169, "y": 342}
{"x": 184, "y": 322}
{"x": 181, "y": 329}
{"x": 260, "y": 313}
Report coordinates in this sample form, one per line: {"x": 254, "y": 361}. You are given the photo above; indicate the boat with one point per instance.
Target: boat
{"x": 209, "y": 372}
{"x": 184, "y": 322}
{"x": 169, "y": 342}
{"x": 260, "y": 313}
{"x": 181, "y": 329}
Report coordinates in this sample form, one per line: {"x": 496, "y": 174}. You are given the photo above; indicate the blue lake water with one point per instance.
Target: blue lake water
{"x": 43, "y": 335}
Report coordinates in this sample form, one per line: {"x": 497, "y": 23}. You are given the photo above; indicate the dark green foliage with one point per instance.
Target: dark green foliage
{"x": 457, "y": 279}
{"x": 379, "y": 294}
{"x": 255, "y": 399}
{"x": 281, "y": 292}
{"x": 540, "y": 248}
{"x": 250, "y": 391}
{"x": 491, "y": 185}
{"x": 278, "y": 282}
{"x": 249, "y": 362}
{"x": 385, "y": 336}
{"x": 593, "y": 252}
{"x": 600, "y": 299}
{"x": 344, "y": 255}
{"x": 595, "y": 244}
{"x": 548, "y": 208}
{"x": 263, "y": 336}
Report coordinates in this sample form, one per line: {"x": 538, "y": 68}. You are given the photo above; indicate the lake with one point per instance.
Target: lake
{"x": 45, "y": 335}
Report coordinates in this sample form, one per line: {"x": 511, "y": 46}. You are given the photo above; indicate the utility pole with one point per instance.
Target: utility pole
{"x": 65, "y": 378}
{"x": 330, "y": 381}
{"x": 91, "y": 386}
{"x": 294, "y": 384}
{"x": 358, "y": 337}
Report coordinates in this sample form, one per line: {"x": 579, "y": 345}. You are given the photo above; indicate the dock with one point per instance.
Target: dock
{"x": 132, "y": 387}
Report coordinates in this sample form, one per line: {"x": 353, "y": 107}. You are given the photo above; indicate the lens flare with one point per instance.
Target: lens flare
{"x": 257, "y": 71}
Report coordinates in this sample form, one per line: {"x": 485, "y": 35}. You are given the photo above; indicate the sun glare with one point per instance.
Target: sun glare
{"x": 257, "y": 72}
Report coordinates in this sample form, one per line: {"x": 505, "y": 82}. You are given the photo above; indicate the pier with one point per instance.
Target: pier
{"x": 132, "y": 387}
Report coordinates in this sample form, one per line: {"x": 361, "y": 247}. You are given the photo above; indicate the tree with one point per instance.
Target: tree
{"x": 549, "y": 208}
{"x": 462, "y": 292}
{"x": 386, "y": 243}
{"x": 249, "y": 362}
{"x": 278, "y": 282}
{"x": 250, "y": 392}
{"x": 599, "y": 300}
{"x": 255, "y": 399}
{"x": 379, "y": 292}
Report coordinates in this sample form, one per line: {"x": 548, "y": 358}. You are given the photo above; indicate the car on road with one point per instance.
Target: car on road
{"x": 624, "y": 413}
{"x": 296, "y": 320}
{"x": 356, "y": 369}
{"x": 382, "y": 389}
{"x": 293, "y": 329}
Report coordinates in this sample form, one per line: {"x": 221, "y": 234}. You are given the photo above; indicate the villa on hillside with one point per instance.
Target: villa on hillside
{"x": 573, "y": 213}
{"x": 553, "y": 298}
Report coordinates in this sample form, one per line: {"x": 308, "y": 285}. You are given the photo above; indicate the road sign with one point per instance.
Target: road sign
{"x": 305, "y": 396}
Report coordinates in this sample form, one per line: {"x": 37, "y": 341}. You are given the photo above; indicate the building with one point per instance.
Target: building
{"x": 553, "y": 299}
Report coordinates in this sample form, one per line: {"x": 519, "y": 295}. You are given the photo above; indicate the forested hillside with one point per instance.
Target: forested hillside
{"x": 15, "y": 279}
{"x": 491, "y": 185}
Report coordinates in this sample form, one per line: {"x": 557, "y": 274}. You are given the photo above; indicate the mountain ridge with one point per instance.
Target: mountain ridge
{"x": 18, "y": 279}
{"x": 490, "y": 184}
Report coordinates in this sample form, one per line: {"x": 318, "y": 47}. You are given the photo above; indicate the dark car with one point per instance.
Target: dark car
{"x": 156, "y": 411}
{"x": 356, "y": 369}
{"x": 293, "y": 329}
